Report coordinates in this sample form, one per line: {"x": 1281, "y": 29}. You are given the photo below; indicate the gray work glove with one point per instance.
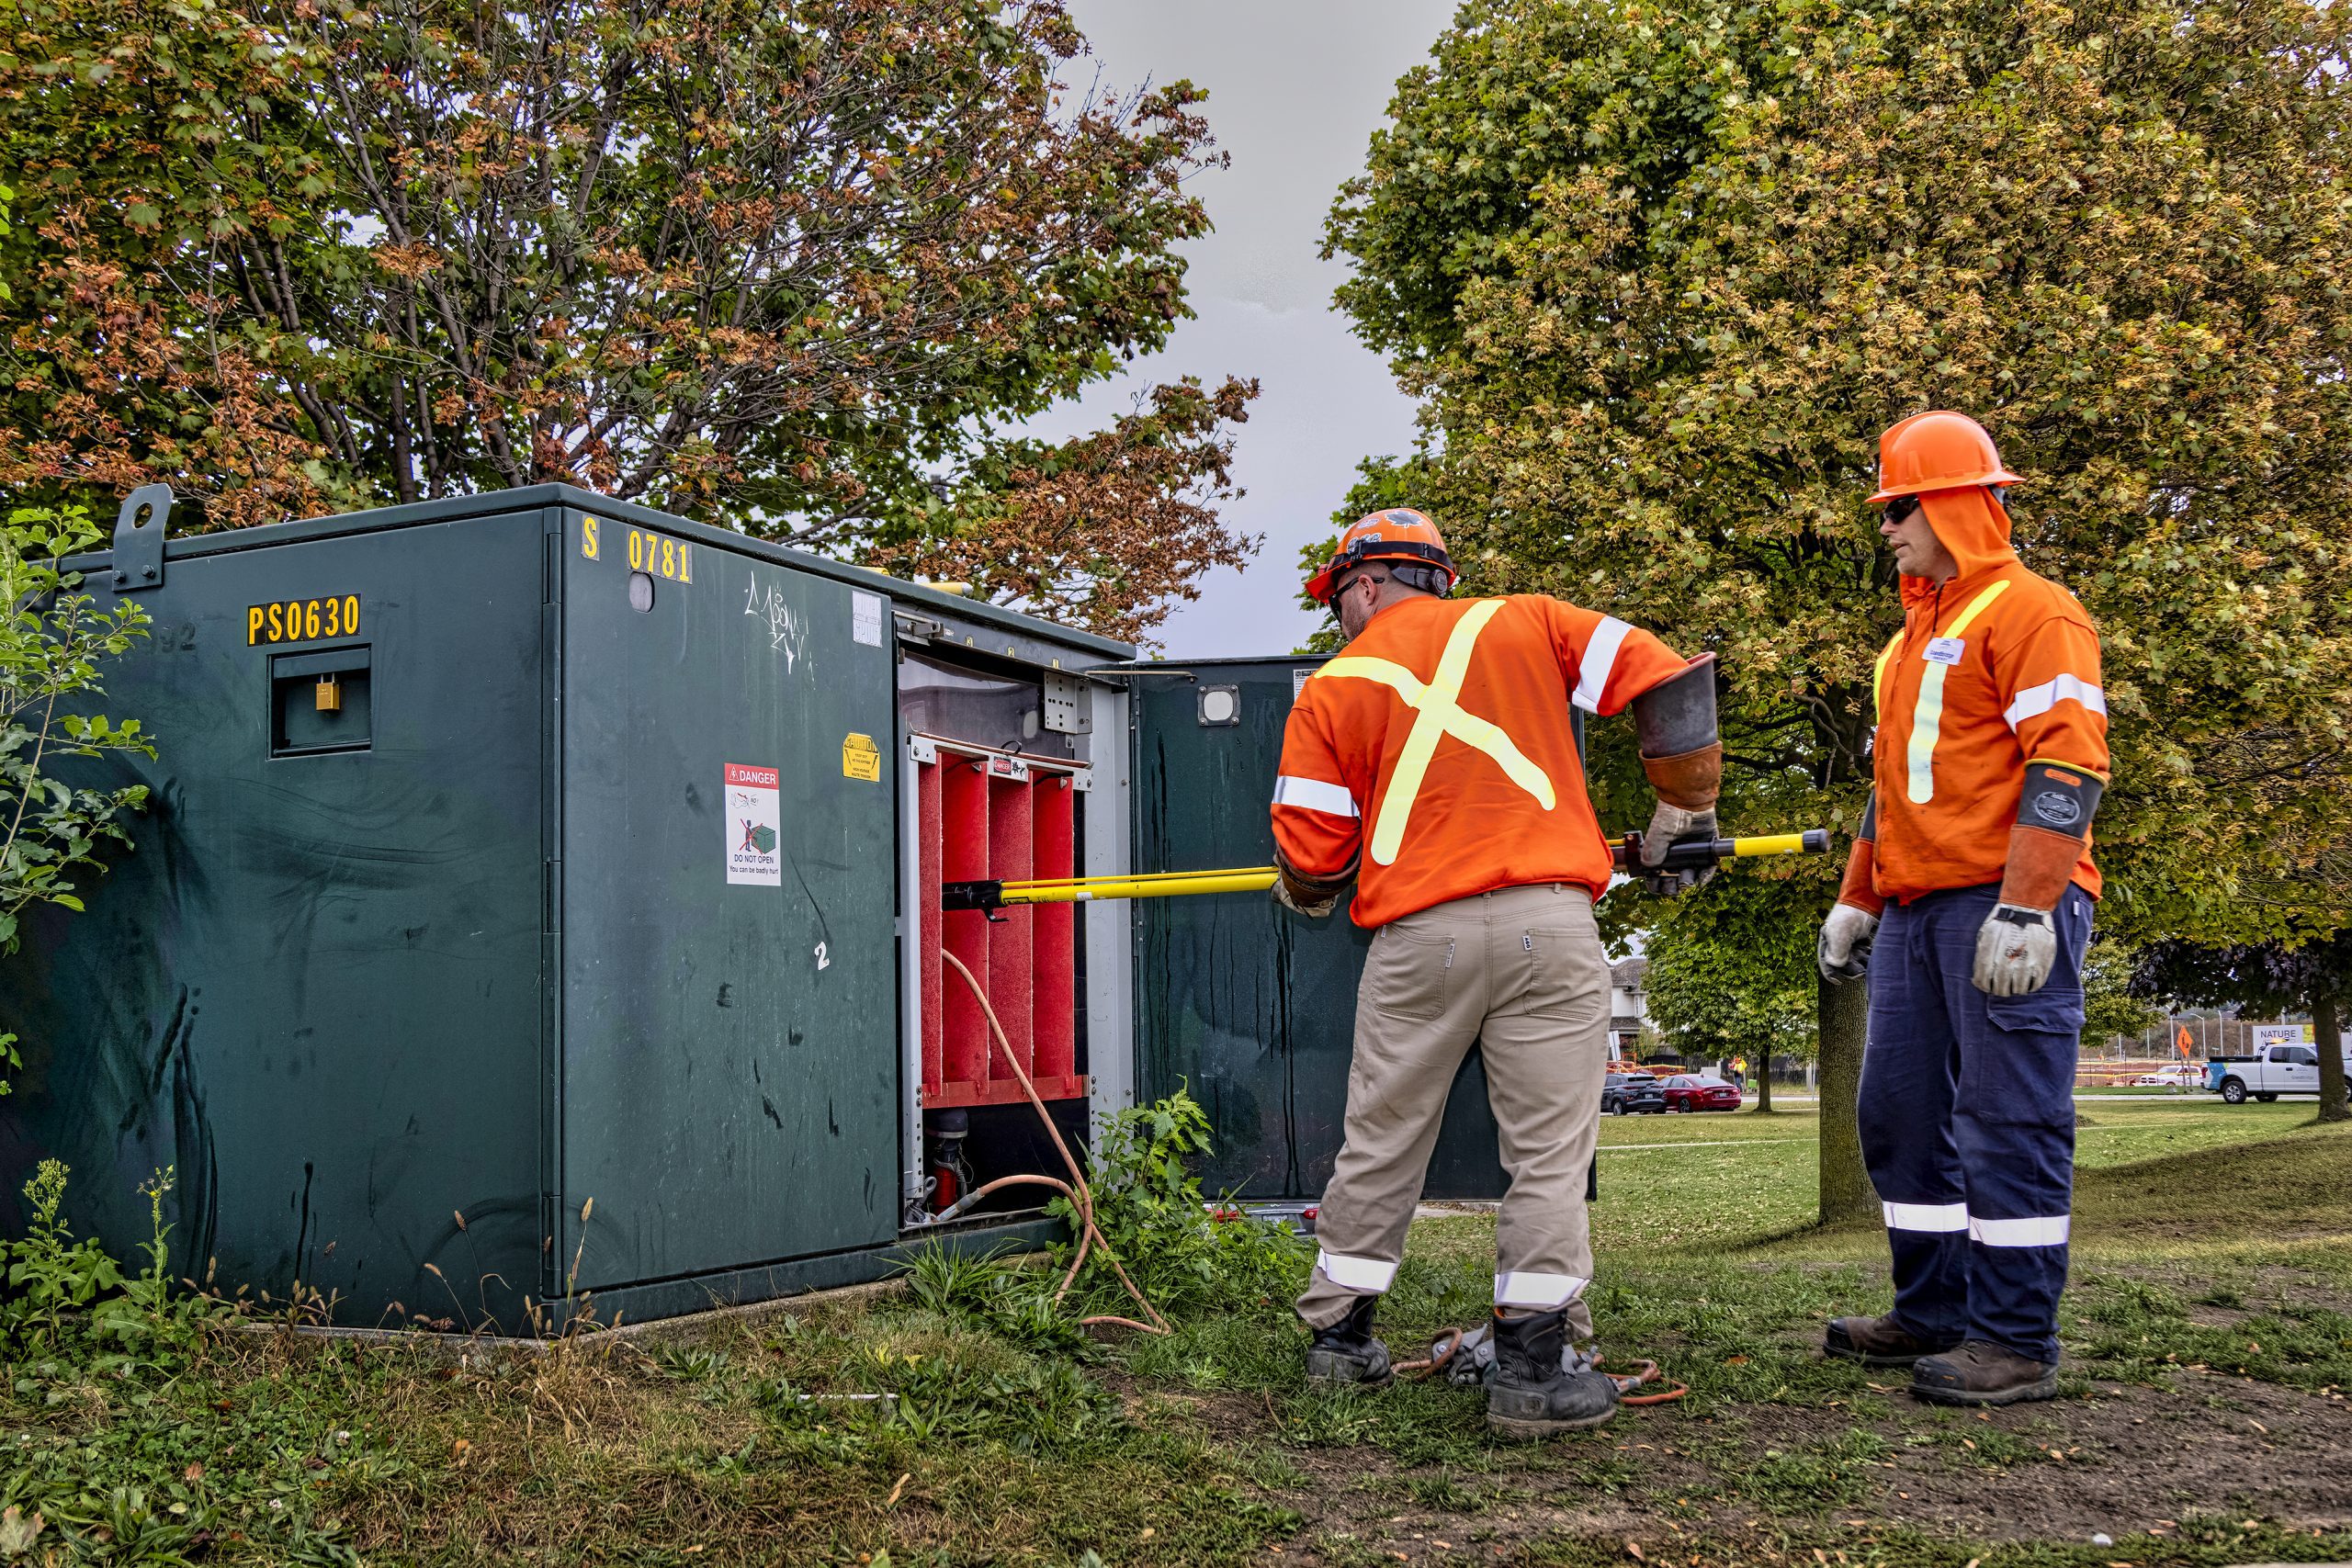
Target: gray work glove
{"x": 2016, "y": 948}
{"x": 1844, "y": 951}
{"x": 1669, "y": 823}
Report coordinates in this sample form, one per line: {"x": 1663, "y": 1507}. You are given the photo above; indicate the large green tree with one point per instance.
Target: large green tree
{"x": 1660, "y": 276}
{"x": 803, "y": 267}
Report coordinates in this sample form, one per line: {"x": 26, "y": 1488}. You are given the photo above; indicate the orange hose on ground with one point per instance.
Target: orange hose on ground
{"x": 1081, "y": 1197}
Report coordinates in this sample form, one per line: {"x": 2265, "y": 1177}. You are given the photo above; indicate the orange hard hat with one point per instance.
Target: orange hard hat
{"x": 1937, "y": 450}
{"x": 1399, "y": 534}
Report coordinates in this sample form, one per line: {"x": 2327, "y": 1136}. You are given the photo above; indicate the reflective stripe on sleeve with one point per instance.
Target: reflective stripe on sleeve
{"x": 1926, "y": 1216}
{"x": 1600, "y": 659}
{"x": 2041, "y": 699}
{"x": 1314, "y": 795}
{"x": 2050, "y": 1230}
{"x": 1520, "y": 1288}
{"x": 1355, "y": 1273}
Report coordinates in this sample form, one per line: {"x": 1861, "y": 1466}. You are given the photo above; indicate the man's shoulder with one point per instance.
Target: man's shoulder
{"x": 2033, "y": 599}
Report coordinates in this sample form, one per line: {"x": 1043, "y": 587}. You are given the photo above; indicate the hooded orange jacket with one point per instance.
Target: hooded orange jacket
{"x": 1437, "y": 747}
{"x": 1994, "y": 670}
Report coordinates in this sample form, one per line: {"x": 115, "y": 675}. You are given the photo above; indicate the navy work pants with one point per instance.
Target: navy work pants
{"x": 1968, "y": 1122}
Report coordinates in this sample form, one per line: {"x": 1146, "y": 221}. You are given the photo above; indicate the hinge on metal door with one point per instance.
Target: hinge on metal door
{"x": 1069, "y": 707}
{"x": 139, "y": 539}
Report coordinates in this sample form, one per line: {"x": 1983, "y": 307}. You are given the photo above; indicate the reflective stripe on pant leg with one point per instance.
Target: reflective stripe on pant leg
{"x": 1905, "y": 1114}
{"x": 1368, "y": 1275}
{"x": 1523, "y": 1288}
{"x": 2050, "y": 1230}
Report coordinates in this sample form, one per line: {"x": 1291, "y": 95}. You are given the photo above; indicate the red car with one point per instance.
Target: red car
{"x": 1688, "y": 1093}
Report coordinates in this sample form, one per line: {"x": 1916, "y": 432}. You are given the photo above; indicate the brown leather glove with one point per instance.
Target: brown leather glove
{"x": 1312, "y": 897}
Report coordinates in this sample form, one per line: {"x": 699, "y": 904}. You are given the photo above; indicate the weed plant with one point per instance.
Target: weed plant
{"x": 1188, "y": 1253}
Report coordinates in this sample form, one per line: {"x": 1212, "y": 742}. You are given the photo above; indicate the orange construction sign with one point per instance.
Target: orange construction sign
{"x": 2182, "y": 1040}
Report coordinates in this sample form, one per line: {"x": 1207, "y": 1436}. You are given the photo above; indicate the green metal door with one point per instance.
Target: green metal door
{"x": 729, "y": 1017}
{"x": 1248, "y": 1006}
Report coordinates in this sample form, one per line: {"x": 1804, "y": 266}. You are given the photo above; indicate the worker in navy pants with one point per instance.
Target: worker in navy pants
{"x": 1972, "y": 876}
{"x": 1967, "y": 1118}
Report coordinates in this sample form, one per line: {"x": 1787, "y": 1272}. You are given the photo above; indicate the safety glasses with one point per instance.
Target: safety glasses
{"x": 1900, "y": 509}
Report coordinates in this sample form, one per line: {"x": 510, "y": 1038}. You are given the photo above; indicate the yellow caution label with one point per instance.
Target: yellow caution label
{"x": 861, "y": 759}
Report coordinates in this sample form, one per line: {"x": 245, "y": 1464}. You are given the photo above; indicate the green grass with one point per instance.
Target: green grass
{"x": 2210, "y": 1299}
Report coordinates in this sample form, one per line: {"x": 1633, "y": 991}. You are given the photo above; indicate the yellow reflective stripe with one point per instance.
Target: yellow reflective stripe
{"x": 1928, "y": 716}
{"x": 1436, "y": 713}
{"x": 1878, "y": 671}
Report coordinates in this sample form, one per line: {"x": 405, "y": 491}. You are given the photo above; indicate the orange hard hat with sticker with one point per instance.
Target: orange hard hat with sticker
{"x": 1937, "y": 450}
{"x": 1399, "y": 534}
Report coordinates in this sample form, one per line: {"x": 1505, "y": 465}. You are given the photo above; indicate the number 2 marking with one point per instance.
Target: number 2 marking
{"x": 823, "y": 962}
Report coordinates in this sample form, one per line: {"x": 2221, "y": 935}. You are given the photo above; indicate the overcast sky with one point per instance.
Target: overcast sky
{"x": 1295, "y": 87}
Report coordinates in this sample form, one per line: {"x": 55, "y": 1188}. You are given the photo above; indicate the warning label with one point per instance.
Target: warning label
{"x": 866, "y": 617}
{"x": 861, "y": 759}
{"x": 754, "y": 849}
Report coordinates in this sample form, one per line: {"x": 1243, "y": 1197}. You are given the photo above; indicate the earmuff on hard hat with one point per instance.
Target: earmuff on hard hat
{"x": 1400, "y": 535}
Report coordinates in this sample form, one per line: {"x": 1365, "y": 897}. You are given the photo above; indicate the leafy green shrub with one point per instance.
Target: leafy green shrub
{"x": 1184, "y": 1251}
{"x": 53, "y": 643}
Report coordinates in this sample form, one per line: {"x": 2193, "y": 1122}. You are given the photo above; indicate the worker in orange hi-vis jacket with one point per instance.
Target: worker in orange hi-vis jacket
{"x": 1968, "y": 896}
{"x": 1432, "y": 764}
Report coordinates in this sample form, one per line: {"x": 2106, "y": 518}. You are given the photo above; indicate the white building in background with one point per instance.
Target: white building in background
{"x": 1629, "y": 1010}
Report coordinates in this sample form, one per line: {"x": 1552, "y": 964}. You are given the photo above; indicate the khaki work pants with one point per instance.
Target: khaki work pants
{"x": 1519, "y": 972}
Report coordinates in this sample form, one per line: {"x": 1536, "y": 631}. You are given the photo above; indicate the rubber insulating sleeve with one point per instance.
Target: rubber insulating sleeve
{"x": 1677, "y": 717}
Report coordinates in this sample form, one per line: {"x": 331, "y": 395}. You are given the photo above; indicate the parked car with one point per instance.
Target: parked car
{"x": 1687, "y": 1091}
{"x": 2185, "y": 1075}
{"x": 2268, "y": 1073}
{"x": 1630, "y": 1093}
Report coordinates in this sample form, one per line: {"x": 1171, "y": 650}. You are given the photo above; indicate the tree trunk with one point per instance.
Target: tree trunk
{"x": 1764, "y": 1081}
{"x": 2327, "y": 1023}
{"x": 1844, "y": 1013}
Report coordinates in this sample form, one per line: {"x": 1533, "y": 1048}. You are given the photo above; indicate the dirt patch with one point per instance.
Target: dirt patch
{"x": 2128, "y": 1459}
{"x": 2120, "y": 1460}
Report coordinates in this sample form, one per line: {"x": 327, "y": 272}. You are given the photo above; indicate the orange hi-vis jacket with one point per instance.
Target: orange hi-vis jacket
{"x": 1993, "y": 670}
{"x": 1444, "y": 726}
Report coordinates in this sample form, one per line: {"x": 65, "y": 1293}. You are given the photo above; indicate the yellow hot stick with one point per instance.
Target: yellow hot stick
{"x": 1769, "y": 844}
{"x": 1136, "y": 876}
{"x": 1142, "y": 887}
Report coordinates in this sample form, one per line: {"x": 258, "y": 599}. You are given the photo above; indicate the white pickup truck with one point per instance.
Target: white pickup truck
{"x": 2269, "y": 1072}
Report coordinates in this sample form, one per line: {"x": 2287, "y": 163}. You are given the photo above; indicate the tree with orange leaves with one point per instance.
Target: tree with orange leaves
{"x": 803, "y": 268}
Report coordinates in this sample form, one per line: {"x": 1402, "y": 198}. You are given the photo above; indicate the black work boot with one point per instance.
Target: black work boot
{"x": 1531, "y": 1395}
{"x": 1879, "y": 1342}
{"x": 1981, "y": 1373}
{"x": 1346, "y": 1355}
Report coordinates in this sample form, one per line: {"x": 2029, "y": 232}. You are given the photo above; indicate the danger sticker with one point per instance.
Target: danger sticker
{"x": 755, "y": 841}
{"x": 861, "y": 759}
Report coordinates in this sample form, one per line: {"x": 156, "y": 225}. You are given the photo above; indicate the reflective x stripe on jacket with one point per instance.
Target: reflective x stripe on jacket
{"x": 1445, "y": 727}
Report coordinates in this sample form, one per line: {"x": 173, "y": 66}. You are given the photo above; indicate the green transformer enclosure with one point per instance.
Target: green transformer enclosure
{"x": 530, "y": 910}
